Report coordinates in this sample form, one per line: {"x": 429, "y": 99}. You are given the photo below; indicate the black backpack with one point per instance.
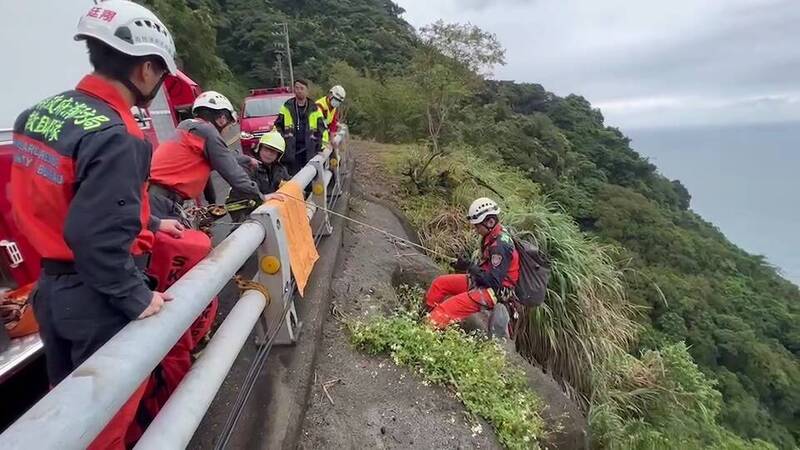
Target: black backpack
{"x": 534, "y": 273}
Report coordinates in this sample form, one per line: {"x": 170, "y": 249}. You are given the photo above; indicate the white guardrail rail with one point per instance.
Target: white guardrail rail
{"x": 73, "y": 413}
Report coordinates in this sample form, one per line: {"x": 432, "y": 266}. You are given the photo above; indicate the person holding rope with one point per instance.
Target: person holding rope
{"x": 453, "y": 298}
{"x": 268, "y": 176}
{"x": 181, "y": 168}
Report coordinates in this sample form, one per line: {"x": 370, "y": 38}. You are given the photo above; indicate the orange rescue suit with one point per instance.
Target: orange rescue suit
{"x": 181, "y": 165}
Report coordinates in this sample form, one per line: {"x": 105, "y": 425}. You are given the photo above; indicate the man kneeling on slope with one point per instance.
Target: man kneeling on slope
{"x": 453, "y": 298}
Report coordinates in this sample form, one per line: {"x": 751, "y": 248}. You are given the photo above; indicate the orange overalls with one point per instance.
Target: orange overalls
{"x": 452, "y": 298}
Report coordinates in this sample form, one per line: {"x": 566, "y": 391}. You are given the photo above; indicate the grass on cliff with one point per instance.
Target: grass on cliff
{"x": 475, "y": 369}
{"x": 584, "y": 332}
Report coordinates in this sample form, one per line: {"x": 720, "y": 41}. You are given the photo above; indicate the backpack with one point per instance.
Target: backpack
{"x": 534, "y": 273}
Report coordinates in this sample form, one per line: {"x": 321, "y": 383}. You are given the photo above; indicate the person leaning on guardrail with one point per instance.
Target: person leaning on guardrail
{"x": 78, "y": 188}
{"x": 182, "y": 167}
{"x": 269, "y": 176}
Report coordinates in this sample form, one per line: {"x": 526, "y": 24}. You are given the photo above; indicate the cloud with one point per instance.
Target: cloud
{"x": 483, "y": 5}
{"x": 646, "y": 112}
{"x": 642, "y": 59}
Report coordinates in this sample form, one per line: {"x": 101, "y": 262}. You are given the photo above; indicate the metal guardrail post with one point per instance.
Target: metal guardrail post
{"x": 275, "y": 273}
{"x": 320, "y": 222}
{"x": 76, "y": 410}
{"x": 177, "y": 421}
{"x": 337, "y": 159}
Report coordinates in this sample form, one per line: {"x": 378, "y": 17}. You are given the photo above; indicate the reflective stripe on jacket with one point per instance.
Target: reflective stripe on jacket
{"x": 78, "y": 186}
{"x": 288, "y": 124}
{"x": 331, "y": 116}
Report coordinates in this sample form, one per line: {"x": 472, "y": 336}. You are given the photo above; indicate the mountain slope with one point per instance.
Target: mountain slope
{"x": 740, "y": 319}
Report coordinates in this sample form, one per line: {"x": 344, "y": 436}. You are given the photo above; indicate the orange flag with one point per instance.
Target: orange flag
{"x": 302, "y": 251}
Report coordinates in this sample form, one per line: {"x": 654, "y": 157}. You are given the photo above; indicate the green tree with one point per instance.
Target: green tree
{"x": 446, "y": 67}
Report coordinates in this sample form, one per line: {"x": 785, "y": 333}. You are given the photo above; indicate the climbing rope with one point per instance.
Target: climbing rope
{"x": 246, "y": 285}
{"x": 358, "y": 222}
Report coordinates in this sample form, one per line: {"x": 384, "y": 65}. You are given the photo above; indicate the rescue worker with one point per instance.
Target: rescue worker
{"x": 301, "y": 124}
{"x": 452, "y": 298}
{"x": 182, "y": 167}
{"x": 79, "y": 190}
{"x": 268, "y": 176}
{"x": 78, "y": 187}
{"x": 329, "y": 107}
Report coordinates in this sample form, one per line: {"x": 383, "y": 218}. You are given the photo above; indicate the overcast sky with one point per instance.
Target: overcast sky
{"x": 39, "y": 56}
{"x": 647, "y": 63}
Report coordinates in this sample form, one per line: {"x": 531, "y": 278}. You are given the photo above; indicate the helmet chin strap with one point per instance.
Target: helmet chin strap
{"x": 140, "y": 99}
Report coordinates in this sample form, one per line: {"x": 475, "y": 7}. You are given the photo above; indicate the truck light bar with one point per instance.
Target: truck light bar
{"x": 277, "y": 90}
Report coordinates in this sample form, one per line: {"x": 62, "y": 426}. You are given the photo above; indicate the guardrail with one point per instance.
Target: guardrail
{"x": 77, "y": 409}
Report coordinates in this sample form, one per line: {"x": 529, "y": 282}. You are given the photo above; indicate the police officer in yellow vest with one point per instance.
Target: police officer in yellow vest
{"x": 302, "y": 125}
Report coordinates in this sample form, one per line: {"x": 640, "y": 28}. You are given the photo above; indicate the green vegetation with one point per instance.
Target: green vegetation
{"x": 365, "y": 34}
{"x": 659, "y": 400}
{"x": 738, "y": 317}
{"x": 637, "y": 272}
{"x": 584, "y": 334}
{"x": 476, "y": 370}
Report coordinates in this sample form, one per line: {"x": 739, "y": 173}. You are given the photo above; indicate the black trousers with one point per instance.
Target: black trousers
{"x": 74, "y": 321}
{"x": 299, "y": 161}
{"x": 166, "y": 207}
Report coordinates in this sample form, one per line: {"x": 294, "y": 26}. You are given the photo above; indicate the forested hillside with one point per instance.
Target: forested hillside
{"x": 680, "y": 278}
{"x": 231, "y": 44}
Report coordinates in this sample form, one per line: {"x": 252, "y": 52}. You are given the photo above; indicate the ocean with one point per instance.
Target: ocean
{"x": 744, "y": 179}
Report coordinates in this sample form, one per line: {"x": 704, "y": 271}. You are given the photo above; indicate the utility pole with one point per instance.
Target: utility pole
{"x": 288, "y": 51}
{"x": 279, "y": 64}
{"x": 284, "y": 30}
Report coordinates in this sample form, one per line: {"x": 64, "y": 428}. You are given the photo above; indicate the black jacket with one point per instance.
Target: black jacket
{"x": 77, "y": 187}
{"x": 268, "y": 179}
{"x": 301, "y": 136}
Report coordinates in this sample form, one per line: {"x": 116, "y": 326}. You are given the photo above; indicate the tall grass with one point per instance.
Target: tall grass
{"x": 585, "y": 317}
{"x": 584, "y": 331}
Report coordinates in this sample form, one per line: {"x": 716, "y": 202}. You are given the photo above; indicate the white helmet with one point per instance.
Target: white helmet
{"x": 480, "y": 209}
{"x": 129, "y": 28}
{"x": 338, "y": 93}
{"x": 214, "y": 100}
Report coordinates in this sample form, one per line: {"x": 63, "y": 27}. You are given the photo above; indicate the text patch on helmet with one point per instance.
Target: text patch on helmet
{"x": 497, "y": 260}
{"x": 102, "y": 14}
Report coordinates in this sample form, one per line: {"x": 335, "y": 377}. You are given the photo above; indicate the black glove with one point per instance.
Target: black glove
{"x": 462, "y": 264}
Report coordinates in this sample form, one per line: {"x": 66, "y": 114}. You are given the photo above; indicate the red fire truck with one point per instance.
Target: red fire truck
{"x": 259, "y": 112}
{"x": 19, "y": 263}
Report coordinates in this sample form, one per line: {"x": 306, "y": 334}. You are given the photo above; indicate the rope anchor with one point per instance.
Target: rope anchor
{"x": 246, "y": 285}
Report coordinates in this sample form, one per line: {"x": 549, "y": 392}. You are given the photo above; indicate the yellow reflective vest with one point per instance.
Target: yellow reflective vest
{"x": 328, "y": 113}
{"x": 287, "y": 119}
